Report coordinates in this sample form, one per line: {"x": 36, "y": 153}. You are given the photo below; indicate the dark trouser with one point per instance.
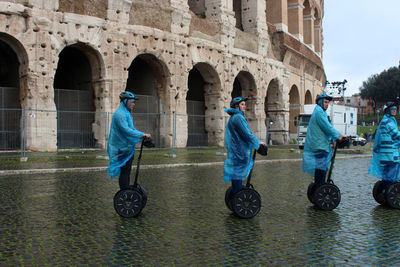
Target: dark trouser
{"x": 236, "y": 186}
{"x": 124, "y": 177}
{"x": 319, "y": 177}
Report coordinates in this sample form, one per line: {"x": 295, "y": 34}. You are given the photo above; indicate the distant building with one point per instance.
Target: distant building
{"x": 364, "y": 106}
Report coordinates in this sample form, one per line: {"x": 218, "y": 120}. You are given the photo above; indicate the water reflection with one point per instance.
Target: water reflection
{"x": 243, "y": 242}
{"x": 385, "y": 235}
{"x": 323, "y": 227}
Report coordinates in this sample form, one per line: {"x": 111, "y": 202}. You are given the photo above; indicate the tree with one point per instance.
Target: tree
{"x": 382, "y": 87}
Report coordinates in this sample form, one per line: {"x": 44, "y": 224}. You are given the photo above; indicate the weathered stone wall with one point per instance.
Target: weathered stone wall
{"x": 114, "y": 32}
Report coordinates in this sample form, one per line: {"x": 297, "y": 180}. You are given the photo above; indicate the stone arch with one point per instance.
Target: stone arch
{"x": 149, "y": 78}
{"x": 13, "y": 62}
{"x": 203, "y": 106}
{"x": 244, "y": 85}
{"x": 78, "y": 93}
{"x": 317, "y": 31}
{"x": 308, "y": 98}
{"x": 294, "y": 110}
{"x": 274, "y": 112}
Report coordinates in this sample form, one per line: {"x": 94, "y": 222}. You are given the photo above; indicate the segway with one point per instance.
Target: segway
{"x": 327, "y": 196}
{"x": 387, "y": 194}
{"x": 246, "y": 203}
{"x": 130, "y": 202}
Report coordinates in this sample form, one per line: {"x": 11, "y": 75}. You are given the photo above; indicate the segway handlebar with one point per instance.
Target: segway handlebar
{"x": 338, "y": 143}
{"x": 147, "y": 142}
{"x": 249, "y": 177}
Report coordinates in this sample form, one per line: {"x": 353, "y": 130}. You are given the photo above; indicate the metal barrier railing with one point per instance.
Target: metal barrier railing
{"x": 24, "y": 130}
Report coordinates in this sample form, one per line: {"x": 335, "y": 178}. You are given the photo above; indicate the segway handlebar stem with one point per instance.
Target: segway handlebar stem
{"x": 249, "y": 177}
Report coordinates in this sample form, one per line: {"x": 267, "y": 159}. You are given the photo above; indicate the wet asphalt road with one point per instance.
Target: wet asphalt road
{"x": 69, "y": 219}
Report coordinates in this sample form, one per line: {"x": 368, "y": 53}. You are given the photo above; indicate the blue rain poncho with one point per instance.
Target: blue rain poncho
{"x": 239, "y": 141}
{"x": 122, "y": 140}
{"x": 317, "y": 151}
{"x": 385, "y": 160}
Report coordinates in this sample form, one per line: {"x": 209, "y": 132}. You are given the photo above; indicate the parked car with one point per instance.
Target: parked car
{"x": 359, "y": 141}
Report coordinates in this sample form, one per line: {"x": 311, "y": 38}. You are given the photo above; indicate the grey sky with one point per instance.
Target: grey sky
{"x": 361, "y": 38}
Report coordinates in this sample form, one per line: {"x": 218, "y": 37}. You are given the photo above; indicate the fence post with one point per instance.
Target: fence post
{"x": 173, "y": 133}
{"x": 23, "y": 134}
{"x": 106, "y": 131}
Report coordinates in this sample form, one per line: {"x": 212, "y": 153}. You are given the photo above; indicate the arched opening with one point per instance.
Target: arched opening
{"x": 237, "y": 9}
{"x": 198, "y": 7}
{"x": 317, "y": 32}
{"x": 244, "y": 85}
{"x": 294, "y": 110}
{"x": 274, "y": 118}
{"x": 308, "y": 98}
{"x": 203, "y": 106}
{"x": 74, "y": 98}
{"x": 147, "y": 79}
{"x": 10, "y": 106}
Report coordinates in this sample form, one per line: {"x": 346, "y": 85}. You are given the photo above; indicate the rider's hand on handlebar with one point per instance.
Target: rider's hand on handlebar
{"x": 146, "y": 136}
{"x": 341, "y": 136}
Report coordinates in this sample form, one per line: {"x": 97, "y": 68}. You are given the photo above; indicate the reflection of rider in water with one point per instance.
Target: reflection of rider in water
{"x": 317, "y": 149}
{"x": 239, "y": 142}
{"x": 385, "y": 162}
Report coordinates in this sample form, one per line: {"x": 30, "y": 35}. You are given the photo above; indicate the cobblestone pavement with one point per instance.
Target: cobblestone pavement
{"x": 69, "y": 219}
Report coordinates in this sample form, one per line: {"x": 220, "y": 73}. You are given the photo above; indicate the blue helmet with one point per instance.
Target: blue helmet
{"x": 127, "y": 95}
{"x": 237, "y": 100}
{"x": 323, "y": 96}
{"x": 387, "y": 108}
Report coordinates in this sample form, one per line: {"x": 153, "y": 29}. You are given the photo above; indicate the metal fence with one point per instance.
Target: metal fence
{"x": 90, "y": 130}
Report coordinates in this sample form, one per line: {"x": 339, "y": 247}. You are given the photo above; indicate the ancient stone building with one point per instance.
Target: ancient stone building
{"x": 189, "y": 56}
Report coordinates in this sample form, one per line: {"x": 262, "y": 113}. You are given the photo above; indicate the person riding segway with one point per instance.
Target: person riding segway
{"x": 317, "y": 155}
{"x": 122, "y": 140}
{"x": 385, "y": 162}
{"x": 244, "y": 201}
{"x": 130, "y": 202}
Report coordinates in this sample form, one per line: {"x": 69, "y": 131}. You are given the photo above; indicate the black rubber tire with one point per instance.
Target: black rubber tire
{"x": 355, "y": 143}
{"x": 310, "y": 193}
{"x": 393, "y": 195}
{"x": 378, "y": 192}
{"x": 128, "y": 203}
{"x": 228, "y": 198}
{"x": 246, "y": 203}
{"x": 144, "y": 195}
{"x": 327, "y": 196}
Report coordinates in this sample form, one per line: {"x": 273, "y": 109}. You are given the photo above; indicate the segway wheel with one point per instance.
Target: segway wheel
{"x": 393, "y": 195}
{"x": 378, "y": 192}
{"x": 327, "y": 196}
{"x": 143, "y": 191}
{"x": 228, "y": 198}
{"x": 128, "y": 203}
{"x": 246, "y": 203}
{"x": 310, "y": 193}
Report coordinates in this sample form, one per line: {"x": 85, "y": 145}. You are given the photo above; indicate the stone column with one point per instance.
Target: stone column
{"x": 277, "y": 14}
{"x": 295, "y": 18}
{"x": 180, "y": 17}
{"x": 308, "y": 22}
{"x": 317, "y": 39}
{"x": 118, "y": 10}
{"x": 254, "y": 21}
{"x": 221, "y": 12}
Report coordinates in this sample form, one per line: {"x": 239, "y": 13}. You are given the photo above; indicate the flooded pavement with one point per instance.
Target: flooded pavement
{"x": 68, "y": 218}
